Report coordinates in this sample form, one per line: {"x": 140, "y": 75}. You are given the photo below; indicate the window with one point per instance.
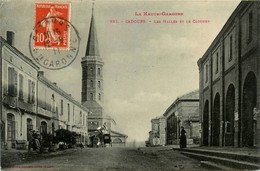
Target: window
{"x": 83, "y": 119}
{"x": 91, "y": 83}
{"x": 20, "y": 86}
{"x": 250, "y": 26}
{"x": 207, "y": 73}
{"x": 53, "y": 104}
{"x": 31, "y": 91}
{"x": 61, "y": 107}
{"x": 230, "y": 48}
{"x": 99, "y": 84}
{"x": 29, "y": 129}
{"x": 80, "y": 117}
{"x": 12, "y": 82}
{"x": 99, "y": 71}
{"x": 217, "y": 58}
{"x": 91, "y": 96}
{"x": 68, "y": 112}
{"x": 91, "y": 70}
{"x": 11, "y": 127}
{"x": 99, "y": 96}
{"x": 43, "y": 128}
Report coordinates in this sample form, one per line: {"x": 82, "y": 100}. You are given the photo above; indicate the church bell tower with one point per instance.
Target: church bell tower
{"x": 92, "y": 78}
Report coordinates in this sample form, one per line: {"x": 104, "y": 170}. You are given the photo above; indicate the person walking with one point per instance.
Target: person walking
{"x": 183, "y": 141}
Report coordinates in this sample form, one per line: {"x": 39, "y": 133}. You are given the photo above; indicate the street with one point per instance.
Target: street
{"x": 113, "y": 159}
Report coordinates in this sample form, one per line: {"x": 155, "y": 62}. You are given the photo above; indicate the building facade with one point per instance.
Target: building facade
{"x": 118, "y": 139}
{"x": 19, "y": 96}
{"x": 157, "y": 134}
{"x": 229, "y": 81}
{"x": 58, "y": 110}
{"x": 32, "y": 102}
{"x": 184, "y": 111}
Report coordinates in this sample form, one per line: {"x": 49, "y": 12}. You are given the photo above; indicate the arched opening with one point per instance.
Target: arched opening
{"x": 29, "y": 128}
{"x": 91, "y": 83}
{"x": 229, "y": 116}
{"x": 175, "y": 125}
{"x": 99, "y": 84}
{"x": 91, "y": 70}
{"x": 215, "y": 121}
{"x": 52, "y": 128}
{"x": 43, "y": 127}
{"x": 206, "y": 123}
{"x": 10, "y": 127}
{"x": 168, "y": 130}
{"x": 249, "y": 102}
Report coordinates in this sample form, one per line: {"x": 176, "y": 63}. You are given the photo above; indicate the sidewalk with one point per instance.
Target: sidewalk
{"x": 236, "y": 150}
{"x": 166, "y": 147}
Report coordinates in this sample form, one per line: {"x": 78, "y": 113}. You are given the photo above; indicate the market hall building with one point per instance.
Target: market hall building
{"x": 230, "y": 81}
{"x": 184, "y": 111}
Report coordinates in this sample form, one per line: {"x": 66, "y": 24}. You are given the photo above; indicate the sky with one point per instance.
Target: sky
{"x": 147, "y": 66}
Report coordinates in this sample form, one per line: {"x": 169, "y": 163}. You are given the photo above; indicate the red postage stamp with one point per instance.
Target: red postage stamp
{"x": 52, "y": 26}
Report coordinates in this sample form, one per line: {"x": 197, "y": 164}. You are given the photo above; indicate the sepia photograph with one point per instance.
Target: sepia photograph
{"x": 130, "y": 85}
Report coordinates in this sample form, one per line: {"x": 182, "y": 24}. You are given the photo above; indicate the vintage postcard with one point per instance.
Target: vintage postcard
{"x": 130, "y": 85}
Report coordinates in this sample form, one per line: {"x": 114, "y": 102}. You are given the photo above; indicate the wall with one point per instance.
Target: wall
{"x": 17, "y": 103}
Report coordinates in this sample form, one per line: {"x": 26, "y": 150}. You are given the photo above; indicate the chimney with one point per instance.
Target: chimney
{"x": 41, "y": 73}
{"x": 10, "y": 37}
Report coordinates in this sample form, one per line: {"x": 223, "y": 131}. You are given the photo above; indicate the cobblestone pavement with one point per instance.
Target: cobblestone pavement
{"x": 109, "y": 159}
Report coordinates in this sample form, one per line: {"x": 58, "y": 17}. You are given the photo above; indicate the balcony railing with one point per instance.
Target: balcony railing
{"x": 44, "y": 112}
{"x": 15, "y": 102}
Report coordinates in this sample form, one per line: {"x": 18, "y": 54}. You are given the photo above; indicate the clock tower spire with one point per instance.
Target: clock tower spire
{"x": 92, "y": 77}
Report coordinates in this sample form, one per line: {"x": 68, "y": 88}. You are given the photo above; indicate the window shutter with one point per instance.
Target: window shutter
{"x": 15, "y": 83}
{"x": 33, "y": 91}
{"x": 29, "y": 91}
{"x": 10, "y": 81}
{"x": 21, "y": 86}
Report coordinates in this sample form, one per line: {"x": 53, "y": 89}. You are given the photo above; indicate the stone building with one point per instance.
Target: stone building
{"x": 118, "y": 139}
{"x": 58, "y": 110}
{"x": 184, "y": 111}
{"x": 92, "y": 79}
{"x": 92, "y": 83}
{"x": 19, "y": 96}
{"x": 157, "y": 134}
{"x": 32, "y": 102}
{"x": 229, "y": 81}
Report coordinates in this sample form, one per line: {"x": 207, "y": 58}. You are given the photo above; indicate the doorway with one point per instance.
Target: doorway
{"x": 249, "y": 102}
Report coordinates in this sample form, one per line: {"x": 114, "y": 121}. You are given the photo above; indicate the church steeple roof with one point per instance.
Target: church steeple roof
{"x": 92, "y": 46}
